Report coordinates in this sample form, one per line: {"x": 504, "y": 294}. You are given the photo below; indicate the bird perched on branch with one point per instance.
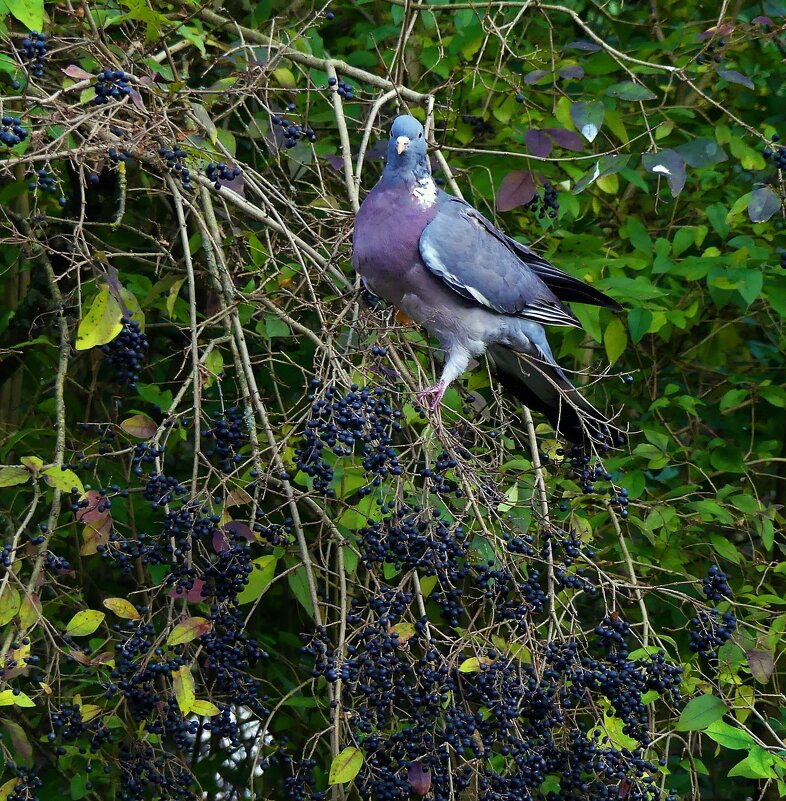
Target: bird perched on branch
{"x": 446, "y": 266}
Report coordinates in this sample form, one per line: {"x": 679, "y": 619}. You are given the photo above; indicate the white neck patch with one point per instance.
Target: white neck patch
{"x": 425, "y": 192}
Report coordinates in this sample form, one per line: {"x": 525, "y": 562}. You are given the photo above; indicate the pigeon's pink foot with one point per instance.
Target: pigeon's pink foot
{"x": 431, "y": 397}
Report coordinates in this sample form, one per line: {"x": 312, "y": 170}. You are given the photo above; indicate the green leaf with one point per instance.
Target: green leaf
{"x": 8, "y": 698}
{"x": 84, "y": 622}
{"x": 627, "y": 90}
{"x": 101, "y": 324}
{"x": 298, "y": 583}
{"x": 10, "y": 602}
{"x": 615, "y": 339}
{"x": 588, "y": 118}
{"x": 29, "y": 12}
{"x": 12, "y": 474}
{"x": 757, "y": 765}
{"x": 345, "y": 766}
{"x": 729, "y": 736}
{"x": 700, "y": 712}
{"x": 639, "y": 322}
{"x": 639, "y": 236}
{"x": 64, "y": 480}
{"x": 259, "y": 579}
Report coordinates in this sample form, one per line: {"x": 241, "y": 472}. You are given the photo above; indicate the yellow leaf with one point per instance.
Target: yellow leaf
{"x": 183, "y": 683}
{"x": 7, "y": 698}
{"x": 101, "y": 324}
{"x": 205, "y": 708}
{"x": 29, "y": 611}
{"x": 122, "y": 608}
{"x": 345, "y": 766}
{"x": 285, "y": 78}
{"x": 7, "y": 789}
{"x": 84, "y": 622}
{"x": 188, "y": 630}
{"x": 32, "y": 463}
{"x": 64, "y": 480}
{"x": 90, "y": 711}
{"x": 9, "y": 604}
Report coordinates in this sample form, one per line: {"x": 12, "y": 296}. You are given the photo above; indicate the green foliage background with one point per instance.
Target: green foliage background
{"x": 246, "y": 293}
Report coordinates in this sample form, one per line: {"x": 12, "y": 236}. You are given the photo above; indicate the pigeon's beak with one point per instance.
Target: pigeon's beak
{"x": 402, "y": 143}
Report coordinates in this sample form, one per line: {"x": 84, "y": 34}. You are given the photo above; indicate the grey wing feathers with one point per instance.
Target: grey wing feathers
{"x": 458, "y": 247}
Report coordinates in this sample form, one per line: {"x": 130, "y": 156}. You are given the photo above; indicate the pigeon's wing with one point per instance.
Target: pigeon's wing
{"x": 564, "y": 286}
{"x": 458, "y": 247}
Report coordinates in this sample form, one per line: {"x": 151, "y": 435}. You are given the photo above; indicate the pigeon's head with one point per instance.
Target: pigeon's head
{"x": 407, "y": 148}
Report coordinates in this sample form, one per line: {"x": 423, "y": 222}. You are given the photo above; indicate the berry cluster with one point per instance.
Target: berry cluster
{"x": 480, "y": 126}
{"x": 34, "y": 50}
{"x": 344, "y": 89}
{"x": 126, "y": 353}
{"x": 221, "y": 172}
{"x": 710, "y": 54}
{"x": 111, "y": 85}
{"x": 707, "y": 633}
{"x": 175, "y": 158}
{"x": 26, "y": 784}
{"x": 44, "y": 182}
{"x": 12, "y": 132}
{"x": 715, "y": 585}
{"x": 545, "y": 205}
{"x": 361, "y": 422}
{"x": 230, "y": 434}
{"x": 777, "y": 152}
{"x": 293, "y": 132}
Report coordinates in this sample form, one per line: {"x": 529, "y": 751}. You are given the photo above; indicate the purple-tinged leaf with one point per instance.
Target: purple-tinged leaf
{"x": 193, "y": 596}
{"x": 761, "y": 665}
{"x": 574, "y": 71}
{"x": 237, "y": 184}
{"x": 761, "y": 20}
{"x": 702, "y": 152}
{"x": 220, "y": 543}
{"x": 627, "y": 90}
{"x": 732, "y": 76}
{"x": 534, "y": 76}
{"x": 136, "y": 99}
{"x": 764, "y": 203}
{"x": 77, "y": 73}
{"x": 335, "y": 161}
{"x": 240, "y": 530}
{"x": 562, "y": 137}
{"x": 669, "y": 163}
{"x": 537, "y": 143}
{"x": 606, "y": 165}
{"x": 588, "y": 117}
{"x": 587, "y": 47}
{"x": 517, "y": 189}
{"x": 716, "y": 30}
{"x": 419, "y": 778}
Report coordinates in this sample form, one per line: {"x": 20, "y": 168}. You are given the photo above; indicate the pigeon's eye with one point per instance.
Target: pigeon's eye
{"x": 420, "y": 135}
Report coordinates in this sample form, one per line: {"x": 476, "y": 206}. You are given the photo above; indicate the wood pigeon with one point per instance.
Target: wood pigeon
{"x": 446, "y": 266}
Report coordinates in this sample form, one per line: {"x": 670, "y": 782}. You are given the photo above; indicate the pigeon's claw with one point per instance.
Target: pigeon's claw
{"x": 431, "y": 397}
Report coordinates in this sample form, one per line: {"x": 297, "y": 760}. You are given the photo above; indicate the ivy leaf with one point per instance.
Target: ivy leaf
{"x": 588, "y": 118}
{"x": 669, "y": 163}
{"x": 345, "y": 766}
{"x": 84, "y": 622}
{"x": 700, "y": 712}
{"x": 732, "y": 76}
{"x": 627, "y": 90}
{"x": 101, "y": 324}
{"x": 189, "y": 629}
{"x": 517, "y": 189}
{"x": 122, "y": 608}
{"x": 764, "y": 203}
{"x": 64, "y": 480}
{"x": 184, "y": 687}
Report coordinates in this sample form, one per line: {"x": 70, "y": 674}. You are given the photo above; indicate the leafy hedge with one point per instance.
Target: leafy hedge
{"x": 239, "y": 561}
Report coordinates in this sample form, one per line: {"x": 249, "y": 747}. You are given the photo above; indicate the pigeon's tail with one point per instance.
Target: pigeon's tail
{"x": 540, "y": 384}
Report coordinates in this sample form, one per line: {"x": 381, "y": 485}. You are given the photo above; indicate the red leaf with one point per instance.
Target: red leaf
{"x": 97, "y": 512}
{"x": 537, "y": 142}
{"x": 419, "y": 778}
{"x": 194, "y": 595}
{"x": 562, "y": 137}
{"x": 220, "y": 543}
{"x": 77, "y": 73}
{"x": 516, "y": 189}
